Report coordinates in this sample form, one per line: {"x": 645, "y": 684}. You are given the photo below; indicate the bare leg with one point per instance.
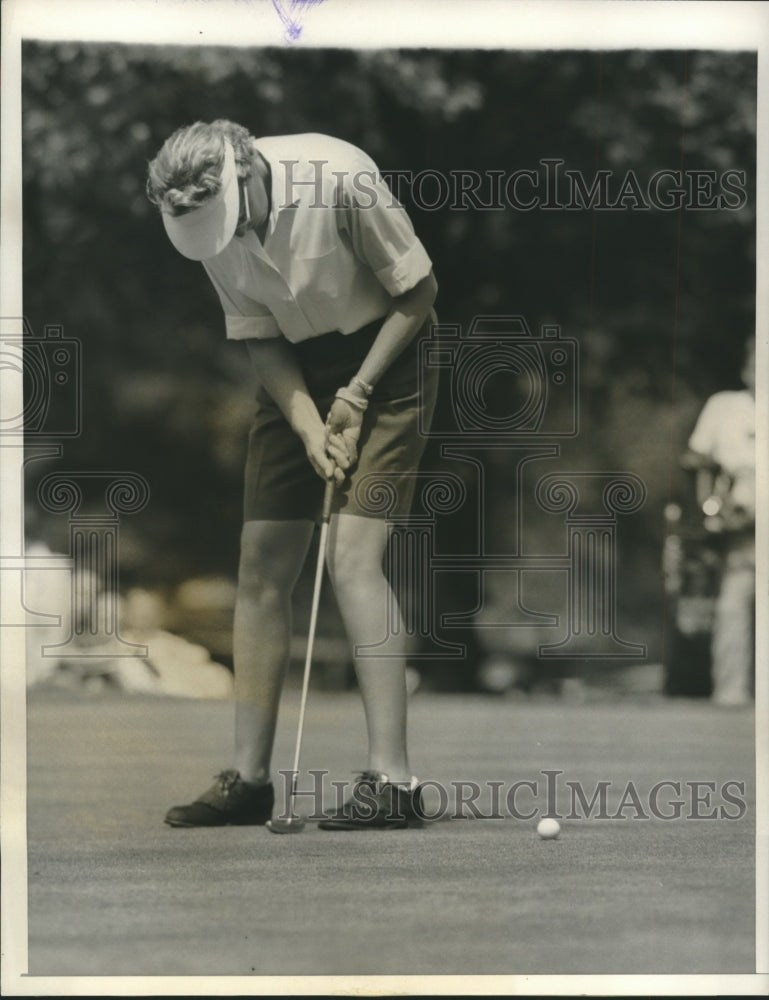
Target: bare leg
{"x": 356, "y": 550}
{"x": 271, "y": 557}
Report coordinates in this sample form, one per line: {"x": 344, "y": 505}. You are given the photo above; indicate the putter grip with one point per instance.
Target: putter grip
{"x": 328, "y": 499}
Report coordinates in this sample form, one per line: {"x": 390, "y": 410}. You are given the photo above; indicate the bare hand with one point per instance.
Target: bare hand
{"x": 321, "y": 458}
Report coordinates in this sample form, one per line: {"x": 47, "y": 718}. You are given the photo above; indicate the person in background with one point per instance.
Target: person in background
{"x": 722, "y": 449}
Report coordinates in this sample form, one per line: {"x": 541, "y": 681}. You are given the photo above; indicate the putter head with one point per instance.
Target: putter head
{"x": 285, "y": 824}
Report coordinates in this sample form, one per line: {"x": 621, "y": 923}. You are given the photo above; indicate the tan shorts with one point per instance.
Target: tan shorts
{"x": 280, "y": 482}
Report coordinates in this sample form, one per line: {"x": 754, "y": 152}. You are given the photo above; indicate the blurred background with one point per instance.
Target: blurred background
{"x": 660, "y": 303}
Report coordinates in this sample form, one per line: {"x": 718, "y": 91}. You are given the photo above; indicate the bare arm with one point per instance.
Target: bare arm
{"x": 279, "y": 373}
{"x": 400, "y": 326}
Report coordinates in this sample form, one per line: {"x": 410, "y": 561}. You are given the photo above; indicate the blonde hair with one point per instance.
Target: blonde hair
{"x": 187, "y": 170}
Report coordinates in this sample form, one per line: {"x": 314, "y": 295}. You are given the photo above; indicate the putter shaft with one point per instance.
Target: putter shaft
{"x": 328, "y": 497}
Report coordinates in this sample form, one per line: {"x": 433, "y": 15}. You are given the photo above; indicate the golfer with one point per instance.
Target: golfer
{"x": 319, "y": 271}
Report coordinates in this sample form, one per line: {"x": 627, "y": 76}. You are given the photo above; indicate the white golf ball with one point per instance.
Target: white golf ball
{"x": 548, "y": 829}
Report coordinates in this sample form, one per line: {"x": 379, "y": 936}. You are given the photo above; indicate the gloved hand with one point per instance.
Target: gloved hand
{"x": 343, "y": 426}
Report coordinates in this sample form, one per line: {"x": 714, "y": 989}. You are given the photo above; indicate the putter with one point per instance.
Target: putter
{"x": 292, "y": 823}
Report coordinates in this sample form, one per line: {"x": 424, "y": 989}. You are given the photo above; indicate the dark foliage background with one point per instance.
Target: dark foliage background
{"x": 660, "y": 302}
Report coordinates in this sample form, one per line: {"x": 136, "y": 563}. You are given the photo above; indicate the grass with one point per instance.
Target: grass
{"x": 114, "y": 892}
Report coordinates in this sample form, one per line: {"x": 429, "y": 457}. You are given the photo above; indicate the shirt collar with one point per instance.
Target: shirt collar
{"x": 267, "y": 147}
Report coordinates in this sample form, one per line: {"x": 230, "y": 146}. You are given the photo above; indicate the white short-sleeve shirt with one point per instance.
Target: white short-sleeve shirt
{"x": 725, "y": 433}
{"x": 338, "y": 246}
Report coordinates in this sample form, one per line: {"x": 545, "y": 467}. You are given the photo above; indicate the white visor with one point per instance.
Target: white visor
{"x": 204, "y": 232}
